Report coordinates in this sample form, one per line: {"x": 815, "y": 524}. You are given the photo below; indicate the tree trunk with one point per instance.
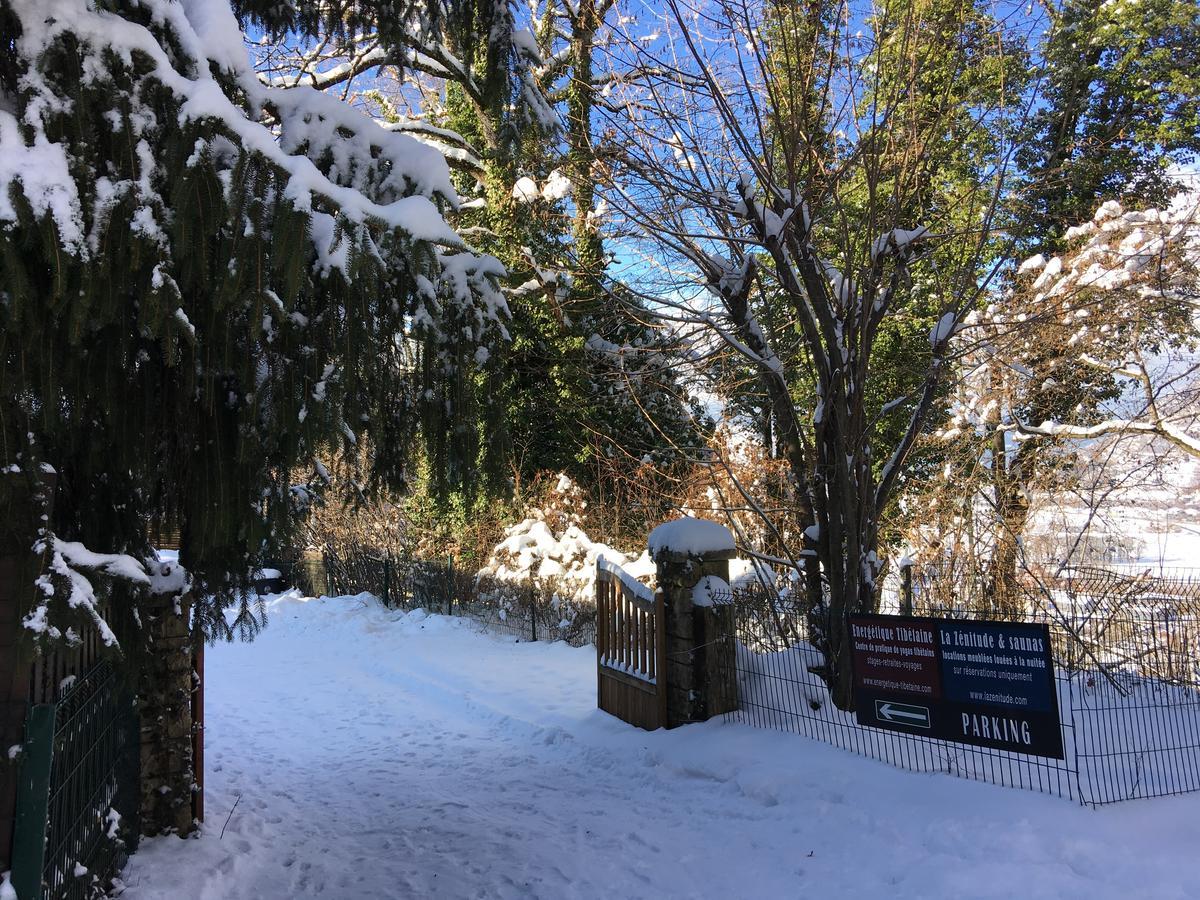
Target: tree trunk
{"x": 1012, "y": 514}
{"x": 581, "y": 155}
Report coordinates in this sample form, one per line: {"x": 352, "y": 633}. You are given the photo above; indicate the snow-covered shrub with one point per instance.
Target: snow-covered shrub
{"x": 550, "y": 547}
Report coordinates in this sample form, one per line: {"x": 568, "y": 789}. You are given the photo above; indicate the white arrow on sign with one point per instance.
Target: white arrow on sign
{"x": 898, "y": 712}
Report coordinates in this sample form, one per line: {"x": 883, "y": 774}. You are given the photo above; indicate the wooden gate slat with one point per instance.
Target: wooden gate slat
{"x": 627, "y": 643}
{"x": 628, "y": 650}
{"x": 643, "y": 620}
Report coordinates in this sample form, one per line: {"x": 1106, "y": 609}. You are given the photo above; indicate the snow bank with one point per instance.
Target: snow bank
{"x": 412, "y": 756}
{"x": 688, "y": 535}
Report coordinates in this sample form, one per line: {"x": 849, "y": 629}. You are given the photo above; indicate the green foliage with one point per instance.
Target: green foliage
{"x": 555, "y": 407}
{"x": 1120, "y": 106}
{"x": 396, "y": 20}
{"x": 198, "y": 346}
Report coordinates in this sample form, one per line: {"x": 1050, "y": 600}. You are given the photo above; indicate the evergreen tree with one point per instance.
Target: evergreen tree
{"x": 1119, "y": 106}
{"x": 508, "y": 97}
{"x": 206, "y": 282}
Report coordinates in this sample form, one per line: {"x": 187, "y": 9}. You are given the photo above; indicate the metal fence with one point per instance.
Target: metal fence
{"x": 962, "y": 585}
{"x": 1126, "y": 647}
{"x": 1127, "y": 678}
{"x": 525, "y": 610}
{"x": 78, "y": 801}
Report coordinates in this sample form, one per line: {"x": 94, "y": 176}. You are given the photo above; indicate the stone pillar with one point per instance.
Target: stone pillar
{"x": 19, "y": 567}
{"x": 311, "y": 574}
{"x": 701, "y": 675}
{"x": 165, "y": 704}
{"x": 716, "y": 657}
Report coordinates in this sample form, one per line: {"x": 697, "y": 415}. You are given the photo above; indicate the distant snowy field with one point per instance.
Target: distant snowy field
{"x": 380, "y": 754}
{"x": 1153, "y": 521}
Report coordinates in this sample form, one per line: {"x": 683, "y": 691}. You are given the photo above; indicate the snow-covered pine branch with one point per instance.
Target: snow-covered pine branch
{"x": 218, "y": 278}
{"x": 389, "y": 178}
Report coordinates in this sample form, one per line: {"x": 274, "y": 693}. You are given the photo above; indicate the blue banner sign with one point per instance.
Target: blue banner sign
{"x": 990, "y": 684}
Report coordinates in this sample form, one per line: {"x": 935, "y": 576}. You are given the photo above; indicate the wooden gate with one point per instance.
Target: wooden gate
{"x": 630, "y": 649}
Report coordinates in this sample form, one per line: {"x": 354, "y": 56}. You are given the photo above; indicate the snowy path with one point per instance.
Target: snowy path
{"x": 380, "y": 755}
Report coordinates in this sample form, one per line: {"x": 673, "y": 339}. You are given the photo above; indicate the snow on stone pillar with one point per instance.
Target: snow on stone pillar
{"x": 692, "y": 558}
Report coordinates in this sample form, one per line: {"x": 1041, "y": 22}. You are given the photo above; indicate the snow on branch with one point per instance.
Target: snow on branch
{"x": 42, "y": 168}
{"x": 1154, "y": 426}
{"x": 114, "y": 565}
{"x": 405, "y": 180}
{"x": 63, "y": 576}
{"x": 898, "y": 241}
{"x": 359, "y": 61}
{"x": 1143, "y": 252}
{"x": 1116, "y": 312}
{"x": 68, "y": 578}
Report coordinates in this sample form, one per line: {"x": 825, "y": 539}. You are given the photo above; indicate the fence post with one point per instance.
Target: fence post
{"x": 313, "y": 570}
{"x": 33, "y": 797}
{"x": 165, "y": 701}
{"x": 1166, "y": 614}
{"x": 387, "y": 579}
{"x": 532, "y": 610}
{"x": 700, "y": 680}
{"x": 450, "y": 585}
{"x": 906, "y": 596}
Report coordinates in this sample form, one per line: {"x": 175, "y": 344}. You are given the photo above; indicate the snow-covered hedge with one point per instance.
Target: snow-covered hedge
{"x": 531, "y": 550}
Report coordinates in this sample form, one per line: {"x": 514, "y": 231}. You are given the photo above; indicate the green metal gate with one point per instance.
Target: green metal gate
{"x": 77, "y": 799}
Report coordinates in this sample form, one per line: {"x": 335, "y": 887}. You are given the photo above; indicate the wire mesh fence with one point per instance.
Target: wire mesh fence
{"x": 1127, "y": 670}
{"x": 77, "y": 811}
{"x": 94, "y": 775}
{"x": 1127, "y": 679}
{"x": 526, "y": 610}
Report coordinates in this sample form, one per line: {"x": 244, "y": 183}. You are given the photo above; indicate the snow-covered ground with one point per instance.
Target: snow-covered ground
{"x": 379, "y": 754}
